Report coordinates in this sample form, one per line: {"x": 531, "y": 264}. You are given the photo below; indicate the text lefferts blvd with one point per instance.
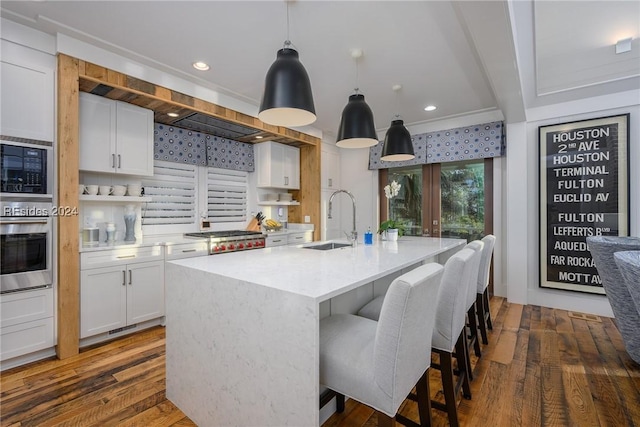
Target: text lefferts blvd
{"x": 37, "y": 211}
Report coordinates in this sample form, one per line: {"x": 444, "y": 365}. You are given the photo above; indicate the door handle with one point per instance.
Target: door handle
{"x": 119, "y": 161}
{"x": 130, "y": 277}
{"x": 330, "y": 182}
{"x": 124, "y": 277}
{"x": 188, "y": 250}
{"x": 286, "y": 180}
{"x": 113, "y": 161}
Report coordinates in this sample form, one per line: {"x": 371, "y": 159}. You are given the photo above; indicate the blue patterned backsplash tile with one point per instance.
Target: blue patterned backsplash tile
{"x": 173, "y": 144}
{"x": 451, "y": 145}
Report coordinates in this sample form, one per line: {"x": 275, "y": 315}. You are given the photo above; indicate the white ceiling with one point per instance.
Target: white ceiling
{"x": 463, "y": 57}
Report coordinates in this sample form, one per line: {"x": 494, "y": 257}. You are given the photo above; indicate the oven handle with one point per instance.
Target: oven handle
{"x": 23, "y": 221}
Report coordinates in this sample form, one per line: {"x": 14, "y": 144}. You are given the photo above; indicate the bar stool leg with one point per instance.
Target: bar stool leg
{"x": 473, "y": 330}
{"x": 482, "y": 324}
{"x": 424, "y": 400}
{"x": 485, "y": 296}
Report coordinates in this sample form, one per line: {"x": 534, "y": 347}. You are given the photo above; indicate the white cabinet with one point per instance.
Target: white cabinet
{"x": 187, "y": 250}
{"x": 27, "y": 86}
{"x": 299, "y": 238}
{"x": 116, "y": 291}
{"x": 330, "y": 173}
{"x": 115, "y": 137}
{"x": 27, "y": 323}
{"x": 277, "y": 165}
{"x": 276, "y": 240}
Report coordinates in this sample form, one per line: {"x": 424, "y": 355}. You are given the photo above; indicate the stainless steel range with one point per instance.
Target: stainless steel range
{"x": 231, "y": 241}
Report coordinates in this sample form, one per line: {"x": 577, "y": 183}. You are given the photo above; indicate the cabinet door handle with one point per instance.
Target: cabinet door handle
{"x": 330, "y": 182}
{"x": 119, "y": 161}
{"x": 126, "y": 256}
{"x": 124, "y": 277}
{"x": 286, "y": 180}
{"x": 188, "y": 250}
{"x": 113, "y": 161}
{"x": 277, "y": 241}
{"x": 130, "y": 277}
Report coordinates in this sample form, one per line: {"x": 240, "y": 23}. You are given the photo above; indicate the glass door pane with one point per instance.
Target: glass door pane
{"x": 407, "y": 205}
{"x": 462, "y": 200}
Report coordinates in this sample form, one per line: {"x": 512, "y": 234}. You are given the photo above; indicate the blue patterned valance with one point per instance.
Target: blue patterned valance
{"x": 451, "y": 145}
{"x": 179, "y": 145}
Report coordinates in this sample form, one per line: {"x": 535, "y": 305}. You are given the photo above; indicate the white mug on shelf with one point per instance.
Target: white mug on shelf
{"x": 119, "y": 190}
{"x": 81, "y": 189}
{"x": 92, "y": 189}
{"x": 104, "y": 190}
{"x": 134, "y": 190}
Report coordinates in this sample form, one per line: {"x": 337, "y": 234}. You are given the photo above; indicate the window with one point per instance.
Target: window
{"x": 407, "y": 205}
{"x": 174, "y": 206}
{"x": 462, "y": 199}
{"x": 441, "y": 199}
{"x": 172, "y": 190}
{"x": 226, "y": 195}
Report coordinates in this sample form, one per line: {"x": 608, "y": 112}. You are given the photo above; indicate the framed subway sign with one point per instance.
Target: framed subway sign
{"x": 584, "y": 191}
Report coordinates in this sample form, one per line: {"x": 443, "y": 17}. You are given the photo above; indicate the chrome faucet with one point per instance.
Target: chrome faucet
{"x": 353, "y": 237}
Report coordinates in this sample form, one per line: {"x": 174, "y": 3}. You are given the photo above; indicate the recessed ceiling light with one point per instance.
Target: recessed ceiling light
{"x": 202, "y": 66}
{"x": 430, "y": 108}
{"x": 172, "y": 114}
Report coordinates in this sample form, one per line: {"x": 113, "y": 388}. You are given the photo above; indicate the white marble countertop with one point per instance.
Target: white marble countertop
{"x": 290, "y": 268}
{"x": 160, "y": 239}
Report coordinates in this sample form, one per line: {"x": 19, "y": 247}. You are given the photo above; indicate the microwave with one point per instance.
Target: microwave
{"x": 25, "y": 168}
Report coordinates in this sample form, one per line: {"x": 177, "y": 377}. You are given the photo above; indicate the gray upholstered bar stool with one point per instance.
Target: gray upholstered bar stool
{"x": 449, "y": 336}
{"x": 379, "y": 363}
{"x": 629, "y": 264}
{"x": 482, "y": 296}
{"x": 472, "y": 323}
{"x": 625, "y": 311}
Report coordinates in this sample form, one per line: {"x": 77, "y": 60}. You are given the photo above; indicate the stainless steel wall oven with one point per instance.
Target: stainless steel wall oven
{"x": 26, "y": 246}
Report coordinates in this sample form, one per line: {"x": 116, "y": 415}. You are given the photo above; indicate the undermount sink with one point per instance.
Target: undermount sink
{"x": 328, "y": 246}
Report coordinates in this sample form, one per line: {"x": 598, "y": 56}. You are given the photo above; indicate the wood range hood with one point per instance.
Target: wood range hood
{"x": 75, "y": 76}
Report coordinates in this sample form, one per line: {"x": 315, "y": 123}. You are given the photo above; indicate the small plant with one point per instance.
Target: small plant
{"x": 391, "y": 224}
{"x": 390, "y": 191}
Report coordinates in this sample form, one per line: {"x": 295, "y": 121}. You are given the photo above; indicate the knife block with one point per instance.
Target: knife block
{"x": 254, "y": 225}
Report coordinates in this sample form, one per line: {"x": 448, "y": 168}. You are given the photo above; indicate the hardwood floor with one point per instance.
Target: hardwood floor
{"x": 542, "y": 367}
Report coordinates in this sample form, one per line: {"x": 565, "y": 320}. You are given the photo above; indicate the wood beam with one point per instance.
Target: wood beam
{"x": 92, "y": 75}
{"x": 68, "y": 177}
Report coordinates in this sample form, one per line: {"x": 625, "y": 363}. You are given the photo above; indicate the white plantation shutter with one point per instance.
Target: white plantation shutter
{"x": 173, "y": 192}
{"x": 226, "y": 195}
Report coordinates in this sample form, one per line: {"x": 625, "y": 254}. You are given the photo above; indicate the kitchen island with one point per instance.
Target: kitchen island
{"x": 242, "y": 328}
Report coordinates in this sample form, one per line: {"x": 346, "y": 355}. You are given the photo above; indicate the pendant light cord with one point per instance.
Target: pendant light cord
{"x": 357, "y": 88}
{"x": 287, "y": 42}
{"x": 397, "y": 91}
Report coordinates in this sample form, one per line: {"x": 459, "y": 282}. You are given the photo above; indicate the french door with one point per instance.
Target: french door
{"x": 441, "y": 199}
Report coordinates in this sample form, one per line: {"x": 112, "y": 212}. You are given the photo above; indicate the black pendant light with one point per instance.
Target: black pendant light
{"x": 287, "y": 99}
{"x": 397, "y": 141}
{"x": 357, "y": 129}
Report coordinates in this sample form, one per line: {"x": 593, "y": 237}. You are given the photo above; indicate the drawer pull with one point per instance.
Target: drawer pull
{"x": 188, "y": 250}
{"x": 277, "y": 241}
{"x": 126, "y": 256}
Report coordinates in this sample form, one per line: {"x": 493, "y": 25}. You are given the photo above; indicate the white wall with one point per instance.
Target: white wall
{"x": 521, "y": 199}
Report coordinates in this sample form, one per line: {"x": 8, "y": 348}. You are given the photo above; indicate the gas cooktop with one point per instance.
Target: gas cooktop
{"x": 226, "y": 233}
{"x": 231, "y": 240}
